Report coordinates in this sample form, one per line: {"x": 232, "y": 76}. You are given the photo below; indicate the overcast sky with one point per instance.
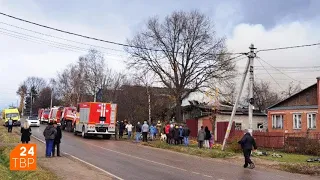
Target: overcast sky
{"x": 267, "y": 24}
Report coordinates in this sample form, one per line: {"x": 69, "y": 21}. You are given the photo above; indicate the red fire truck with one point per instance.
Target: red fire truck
{"x": 43, "y": 115}
{"x": 96, "y": 118}
{"x": 55, "y": 114}
{"x": 68, "y": 118}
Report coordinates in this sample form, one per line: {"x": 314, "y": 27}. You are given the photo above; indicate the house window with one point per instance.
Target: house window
{"x": 296, "y": 121}
{"x": 238, "y": 126}
{"x": 260, "y": 125}
{"x": 312, "y": 123}
{"x": 277, "y": 121}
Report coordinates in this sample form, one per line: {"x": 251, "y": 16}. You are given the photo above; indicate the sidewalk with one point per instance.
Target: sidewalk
{"x": 66, "y": 167}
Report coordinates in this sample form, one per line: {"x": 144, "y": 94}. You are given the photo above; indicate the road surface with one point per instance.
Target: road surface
{"x": 126, "y": 160}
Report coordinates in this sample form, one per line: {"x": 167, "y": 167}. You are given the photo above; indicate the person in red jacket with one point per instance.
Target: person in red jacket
{"x": 167, "y": 131}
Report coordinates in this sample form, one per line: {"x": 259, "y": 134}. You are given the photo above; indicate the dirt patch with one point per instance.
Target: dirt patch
{"x": 66, "y": 167}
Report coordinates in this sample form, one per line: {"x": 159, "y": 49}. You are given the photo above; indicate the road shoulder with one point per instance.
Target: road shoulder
{"x": 66, "y": 167}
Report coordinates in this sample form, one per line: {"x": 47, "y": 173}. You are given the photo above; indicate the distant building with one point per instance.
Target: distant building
{"x": 297, "y": 113}
{"x": 197, "y": 115}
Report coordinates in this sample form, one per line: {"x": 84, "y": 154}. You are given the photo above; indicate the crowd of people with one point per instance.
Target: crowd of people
{"x": 175, "y": 133}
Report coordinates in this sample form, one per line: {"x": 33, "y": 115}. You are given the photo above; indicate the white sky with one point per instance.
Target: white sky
{"x": 111, "y": 20}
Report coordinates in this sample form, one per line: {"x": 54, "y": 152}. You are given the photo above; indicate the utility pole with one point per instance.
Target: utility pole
{"x": 149, "y": 104}
{"x": 51, "y": 98}
{"x": 95, "y": 94}
{"x": 249, "y": 64}
{"x": 251, "y": 81}
{"x": 31, "y": 103}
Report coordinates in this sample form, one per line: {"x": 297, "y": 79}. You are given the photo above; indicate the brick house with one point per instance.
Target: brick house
{"x": 297, "y": 113}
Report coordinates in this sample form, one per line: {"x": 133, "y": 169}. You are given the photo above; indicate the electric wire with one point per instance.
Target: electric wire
{"x": 60, "y": 37}
{"x": 271, "y": 75}
{"x": 288, "y": 47}
{"x": 88, "y": 37}
{"x": 281, "y": 71}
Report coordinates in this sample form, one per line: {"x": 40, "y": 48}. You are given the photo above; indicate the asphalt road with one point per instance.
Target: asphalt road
{"x": 128, "y": 160}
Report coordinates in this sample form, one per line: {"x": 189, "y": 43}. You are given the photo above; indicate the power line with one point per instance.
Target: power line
{"x": 92, "y": 38}
{"x": 280, "y": 71}
{"x": 34, "y": 41}
{"x": 60, "y": 37}
{"x": 75, "y": 34}
{"x": 21, "y": 35}
{"x": 289, "y": 47}
{"x": 270, "y": 75}
{"x": 67, "y": 47}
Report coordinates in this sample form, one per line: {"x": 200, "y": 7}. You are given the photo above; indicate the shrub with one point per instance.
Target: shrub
{"x": 234, "y": 146}
{"x": 302, "y": 145}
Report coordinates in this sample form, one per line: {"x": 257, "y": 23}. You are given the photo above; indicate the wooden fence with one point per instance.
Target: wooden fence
{"x": 274, "y": 140}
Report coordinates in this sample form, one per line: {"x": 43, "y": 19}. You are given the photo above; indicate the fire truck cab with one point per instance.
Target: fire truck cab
{"x": 43, "y": 115}
{"x": 55, "y": 114}
{"x": 96, "y": 118}
{"x": 68, "y": 117}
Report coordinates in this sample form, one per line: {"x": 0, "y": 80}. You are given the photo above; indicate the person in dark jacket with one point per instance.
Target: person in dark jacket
{"x": 25, "y": 133}
{"x": 57, "y": 140}
{"x": 49, "y": 134}
{"x": 207, "y": 137}
{"x": 171, "y": 134}
{"x": 186, "y": 133}
{"x": 138, "y": 132}
{"x": 10, "y": 124}
{"x": 176, "y": 135}
{"x": 121, "y": 129}
{"x": 247, "y": 142}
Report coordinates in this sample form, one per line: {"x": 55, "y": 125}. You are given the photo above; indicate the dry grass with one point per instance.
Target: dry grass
{"x": 192, "y": 150}
{"x": 6, "y": 174}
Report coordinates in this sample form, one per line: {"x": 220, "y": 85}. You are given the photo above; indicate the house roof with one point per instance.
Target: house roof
{"x": 224, "y": 109}
{"x": 295, "y": 107}
{"x": 290, "y": 97}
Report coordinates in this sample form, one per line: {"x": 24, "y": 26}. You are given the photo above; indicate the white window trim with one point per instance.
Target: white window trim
{"x": 308, "y": 125}
{"x": 294, "y": 121}
{"x": 274, "y": 123}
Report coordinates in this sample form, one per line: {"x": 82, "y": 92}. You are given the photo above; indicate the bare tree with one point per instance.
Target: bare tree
{"x": 94, "y": 68}
{"x": 263, "y": 95}
{"x": 37, "y": 83}
{"x": 183, "y": 51}
{"x": 291, "y": 90}
{"x": 22, "y": 92}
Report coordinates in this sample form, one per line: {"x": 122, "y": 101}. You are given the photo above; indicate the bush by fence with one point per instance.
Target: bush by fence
{"x": 304, "y": 143}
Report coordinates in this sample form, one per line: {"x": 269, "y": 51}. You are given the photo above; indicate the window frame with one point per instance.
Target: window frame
{"x": 274, "y": 121}
{"x": 294, "y": 121}
{"x": 314, "y": 120}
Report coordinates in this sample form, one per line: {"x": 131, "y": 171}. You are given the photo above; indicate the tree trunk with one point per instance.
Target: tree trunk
{"x": 178, "y": 113}
{"x": 213, "y": 123}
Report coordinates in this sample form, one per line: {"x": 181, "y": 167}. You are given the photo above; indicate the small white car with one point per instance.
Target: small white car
{"x": 33, "y": 121}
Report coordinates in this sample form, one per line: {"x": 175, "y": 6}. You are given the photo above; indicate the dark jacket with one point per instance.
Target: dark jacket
{"x": 208, "y": 134}
{"x": 176, "y": 133}
{"x": 138, "y": 128}
{"x": 247, "y": 142}
{"x": 50, "y": 132}
{"x": 186, "y": 132}
{"x": 57, "y": 138}
{"x": 25, "y": 134}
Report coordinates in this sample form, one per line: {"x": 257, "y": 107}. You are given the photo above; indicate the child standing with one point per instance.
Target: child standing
{"x": 211, "y": 141}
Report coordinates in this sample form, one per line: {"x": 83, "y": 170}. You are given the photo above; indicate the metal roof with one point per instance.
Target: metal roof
{"x": 294, "y": 107}
{"x": 272, "y": 107}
